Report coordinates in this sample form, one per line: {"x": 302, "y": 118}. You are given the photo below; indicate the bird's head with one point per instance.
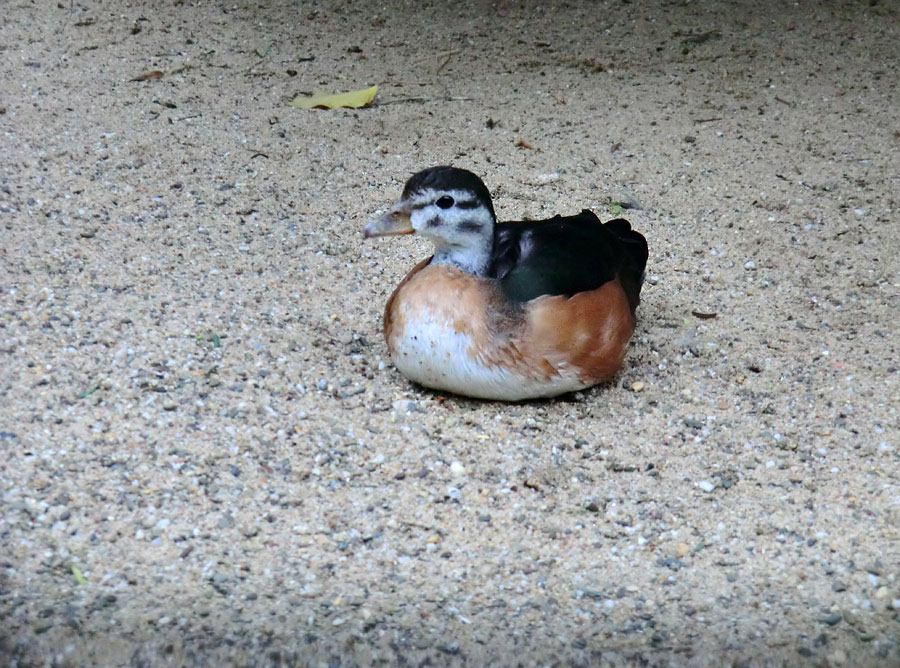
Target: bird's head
{"x": 450, "y": 207}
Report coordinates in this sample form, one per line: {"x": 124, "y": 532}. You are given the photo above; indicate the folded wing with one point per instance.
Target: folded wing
{"x": 568, "y": 255}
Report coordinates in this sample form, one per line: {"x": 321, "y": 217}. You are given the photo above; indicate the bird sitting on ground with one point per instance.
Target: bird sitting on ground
{"x": 512, "y": 310}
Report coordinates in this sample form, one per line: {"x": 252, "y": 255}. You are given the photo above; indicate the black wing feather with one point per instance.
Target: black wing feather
{"x": 566, "y": 255}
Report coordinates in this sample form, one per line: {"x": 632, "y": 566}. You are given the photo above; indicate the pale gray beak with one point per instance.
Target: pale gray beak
{"x": 393, "y": 221}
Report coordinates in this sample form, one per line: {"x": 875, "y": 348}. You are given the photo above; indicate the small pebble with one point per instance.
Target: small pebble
{"x": 875, "y": 567}
{"x": 671, "y": 563}
{"x": 637, "y": 386}
{"x": 706, "y": 485}
{"x": 832, "y": 618}
{"x": 450, "y": 648}
{"x": 838, "y": 657}
{"x": 682, "y": 549}
{"x": 404, "y": 405}
{"x": 851, "y": 617}
{"x": 457, "y": 469}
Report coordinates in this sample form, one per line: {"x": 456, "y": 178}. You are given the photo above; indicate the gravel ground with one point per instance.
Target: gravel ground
{"x": 208, "y": 458}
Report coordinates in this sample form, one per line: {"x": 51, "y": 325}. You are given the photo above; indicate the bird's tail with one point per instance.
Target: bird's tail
{"x": 635, "y": 245}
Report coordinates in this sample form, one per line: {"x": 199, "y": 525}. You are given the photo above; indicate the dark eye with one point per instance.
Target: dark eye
{"x": 445, "y": 202}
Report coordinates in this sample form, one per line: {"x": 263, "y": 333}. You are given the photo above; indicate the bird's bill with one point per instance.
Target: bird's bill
{"x": 394, "y": 221}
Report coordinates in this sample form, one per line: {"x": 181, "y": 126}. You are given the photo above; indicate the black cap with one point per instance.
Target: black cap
{"x": 449, "y": 178}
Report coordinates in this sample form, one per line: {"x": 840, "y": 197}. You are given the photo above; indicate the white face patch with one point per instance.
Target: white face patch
{"x": 462, "y": 231}
{"x": 432, "y": 353}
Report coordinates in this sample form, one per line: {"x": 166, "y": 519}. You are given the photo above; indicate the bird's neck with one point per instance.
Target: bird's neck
{"x": 471, "y": 258}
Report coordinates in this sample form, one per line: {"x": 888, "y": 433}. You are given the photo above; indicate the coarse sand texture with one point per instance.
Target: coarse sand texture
{"x": 208, "y": 458}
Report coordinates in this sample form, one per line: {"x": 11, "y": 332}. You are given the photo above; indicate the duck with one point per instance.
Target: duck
{"x": 508, "y": 311}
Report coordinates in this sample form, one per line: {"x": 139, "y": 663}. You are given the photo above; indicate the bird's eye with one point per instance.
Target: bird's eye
{"x": 445, "y": 202}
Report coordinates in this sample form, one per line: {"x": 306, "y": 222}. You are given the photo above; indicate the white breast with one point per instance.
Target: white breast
{"x": 433, "y": 353}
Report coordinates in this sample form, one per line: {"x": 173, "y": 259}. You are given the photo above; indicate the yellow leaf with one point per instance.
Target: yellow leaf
{"x": 355, "y": 99}
{"x": 79, "y": 578}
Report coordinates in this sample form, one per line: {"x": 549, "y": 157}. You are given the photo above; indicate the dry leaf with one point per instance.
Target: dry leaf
{"x": 354, "y": 99}
{"x": 155, "y": 74}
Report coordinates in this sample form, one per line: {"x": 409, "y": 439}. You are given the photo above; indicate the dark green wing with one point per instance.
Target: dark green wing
{"x": 566, "y": 255}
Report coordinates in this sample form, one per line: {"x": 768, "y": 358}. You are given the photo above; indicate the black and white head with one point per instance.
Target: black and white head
{"x": 450, "y": 207}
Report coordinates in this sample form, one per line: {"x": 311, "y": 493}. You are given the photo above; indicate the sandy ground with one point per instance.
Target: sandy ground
{"x": 207, "y": 457}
